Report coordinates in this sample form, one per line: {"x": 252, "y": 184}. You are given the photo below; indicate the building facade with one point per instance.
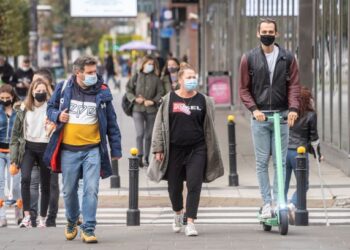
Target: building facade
{"x": 316, "y": 31}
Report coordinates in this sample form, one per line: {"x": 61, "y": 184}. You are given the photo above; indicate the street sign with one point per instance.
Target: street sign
{"x": 103, "y": 8}
{"x": 167, "y": 32}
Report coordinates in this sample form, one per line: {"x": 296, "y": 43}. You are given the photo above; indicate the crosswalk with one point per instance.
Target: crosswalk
{"x": 207, "y": 215}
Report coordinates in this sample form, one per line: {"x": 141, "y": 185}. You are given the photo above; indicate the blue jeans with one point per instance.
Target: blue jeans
{"x": 5, "y": 176}
{"x": 264, "y": 146}
{"x": 291, "y": 166}
{"x": 88, "y": 164}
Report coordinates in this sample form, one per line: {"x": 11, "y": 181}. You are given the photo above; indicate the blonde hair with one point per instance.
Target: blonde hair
{"x": 183, "y": 67}
{"x": 146, "y": 59}
{"x": 29, "y": 101}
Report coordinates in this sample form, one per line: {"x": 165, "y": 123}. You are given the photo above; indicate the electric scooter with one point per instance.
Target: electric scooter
{"x": 280, "y": 215}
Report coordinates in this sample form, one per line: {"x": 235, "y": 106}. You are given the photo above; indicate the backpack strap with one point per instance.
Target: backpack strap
{"x": 65, "y": 83}
{"x": 64, "y": 86}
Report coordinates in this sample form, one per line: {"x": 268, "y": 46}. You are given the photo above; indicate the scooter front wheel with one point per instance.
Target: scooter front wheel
{"x": 283, "y": 223}
{"x": 267, "y": 228}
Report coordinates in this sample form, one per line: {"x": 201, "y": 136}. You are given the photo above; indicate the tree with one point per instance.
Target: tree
{"x": 78, "y": 33}
{"x": 14, "y": 27}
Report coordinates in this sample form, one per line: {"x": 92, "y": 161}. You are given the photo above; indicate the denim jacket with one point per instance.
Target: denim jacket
{"x": 6, "y": 125}
{"x": 107, "y": 120}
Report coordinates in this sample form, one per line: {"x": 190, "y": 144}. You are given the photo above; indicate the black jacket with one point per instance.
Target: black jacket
{"x": 256, "y": 91}
{"x": 6, "y": 72}
{"x": 304, "y": 131}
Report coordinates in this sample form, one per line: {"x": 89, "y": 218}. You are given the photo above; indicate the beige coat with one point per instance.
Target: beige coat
{"x": 160, "y": 143}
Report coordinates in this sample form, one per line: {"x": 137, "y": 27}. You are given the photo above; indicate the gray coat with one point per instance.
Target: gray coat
{"x": 149, "y": 86}
{"x": 160, "y": 143}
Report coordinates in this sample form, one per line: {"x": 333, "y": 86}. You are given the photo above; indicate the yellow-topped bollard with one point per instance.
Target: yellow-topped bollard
{"x": 233, "y": 176}
{"x": 301, "y": 150}
{"x": 134, "y": 151}
{"x": 230, "y": 118}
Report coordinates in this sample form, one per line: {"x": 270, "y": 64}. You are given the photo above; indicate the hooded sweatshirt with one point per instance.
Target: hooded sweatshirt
{"x": 82, "y": 130}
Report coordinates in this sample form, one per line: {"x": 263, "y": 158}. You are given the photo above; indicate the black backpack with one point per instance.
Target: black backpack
{"x": 128, "y": 106}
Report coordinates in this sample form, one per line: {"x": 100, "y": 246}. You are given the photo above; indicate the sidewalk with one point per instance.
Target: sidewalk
{"x": 155, "y": 237}
{"x": 337, "y": 189}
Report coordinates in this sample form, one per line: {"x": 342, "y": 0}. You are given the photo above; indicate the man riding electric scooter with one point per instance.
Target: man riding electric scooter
{"x": 269, "y": 85}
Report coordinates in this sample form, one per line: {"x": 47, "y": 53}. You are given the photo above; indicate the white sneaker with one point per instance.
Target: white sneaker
{"x": 42, "y": 222}
{"x": 178, "y": 221}
{"x": 26, "y": 222}
{"x": 3, "y": 222}
{"x": 190, "y": 230}
{"x": 291, "y": 213}
{"x": 266, "y": 211}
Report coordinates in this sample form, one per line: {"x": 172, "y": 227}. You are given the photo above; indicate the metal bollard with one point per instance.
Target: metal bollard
{"x": 133, "y": 213}
{"x": 115, "y": 178}
{"x": 301, "y": 214}
{"x": 233, "y": 176}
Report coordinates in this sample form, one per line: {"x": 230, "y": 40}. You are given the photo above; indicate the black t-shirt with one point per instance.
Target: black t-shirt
{"x": 186, "y": 119}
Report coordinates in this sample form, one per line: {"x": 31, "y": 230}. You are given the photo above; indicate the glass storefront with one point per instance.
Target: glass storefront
{"x": 331, "y": 86}
{"x": 229, "y": 30}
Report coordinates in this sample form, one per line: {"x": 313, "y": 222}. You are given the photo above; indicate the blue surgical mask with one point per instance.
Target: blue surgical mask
{"x": 90, "y": 80}
{"x": 191, "y": 84}
{"x": 148, "y": 68}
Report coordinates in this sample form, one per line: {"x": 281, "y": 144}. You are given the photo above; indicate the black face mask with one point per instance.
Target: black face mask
{"x": 40, "y": 97}
{"x": 267, "y": 40}
{"x": 6, "y": 103}
{"x": 172, "y": 69}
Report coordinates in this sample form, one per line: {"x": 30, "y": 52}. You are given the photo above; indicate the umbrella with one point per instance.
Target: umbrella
{"x": 137, "y": 45}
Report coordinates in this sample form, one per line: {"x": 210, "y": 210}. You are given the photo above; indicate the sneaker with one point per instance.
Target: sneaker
{"x": 3, "y": 222}
{"x": 42, "y": 222}
{"x": 88, "y": 237}
{"x": 266, "y": 211}
{"x": 71, "y": 231}
{"x": 291, "y": 213}
{"x": 190, "y": 230}
{"x": 50, "y": 222}
{"x": 26, "y": 222}
{"x": 177, "y": 224}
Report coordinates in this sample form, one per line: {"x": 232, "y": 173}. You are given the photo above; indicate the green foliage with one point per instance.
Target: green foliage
{"x": 14, "y": 27}
{"x": 78, "y": 33}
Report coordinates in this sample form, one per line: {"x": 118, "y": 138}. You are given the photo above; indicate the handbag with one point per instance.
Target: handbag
{"x": 128, "y": 106}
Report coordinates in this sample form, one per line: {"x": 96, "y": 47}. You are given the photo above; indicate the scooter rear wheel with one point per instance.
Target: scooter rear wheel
{"x": 267, "y": 228}
{"x": 283, "y": 225}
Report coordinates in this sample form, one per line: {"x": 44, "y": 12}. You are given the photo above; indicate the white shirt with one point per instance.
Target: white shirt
{"x": 34, "y": 125}
{"x": 271, "y": 59}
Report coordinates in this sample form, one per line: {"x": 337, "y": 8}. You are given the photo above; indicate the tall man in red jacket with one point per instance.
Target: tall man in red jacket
{"x": 269, "y": 80}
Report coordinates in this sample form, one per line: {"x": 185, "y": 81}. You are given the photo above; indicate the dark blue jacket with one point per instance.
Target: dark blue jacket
{"x": 107, "y": 124}
{"x": 6, "y": 125}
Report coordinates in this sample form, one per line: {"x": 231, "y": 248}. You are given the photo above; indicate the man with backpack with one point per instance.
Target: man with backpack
{"x": 83, "y": 112}
{"x": 269, "y": 81}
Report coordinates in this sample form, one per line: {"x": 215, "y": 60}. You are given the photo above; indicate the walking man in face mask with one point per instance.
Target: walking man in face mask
{"x": 83, "y": 111}
{"x": 269, "y": 81}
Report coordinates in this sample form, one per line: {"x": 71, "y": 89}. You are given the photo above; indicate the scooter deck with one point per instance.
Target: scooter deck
{"x": 269, "y": 221}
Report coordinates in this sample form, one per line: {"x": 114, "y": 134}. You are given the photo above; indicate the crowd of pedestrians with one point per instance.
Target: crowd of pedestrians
{"x": 47, "y": 129}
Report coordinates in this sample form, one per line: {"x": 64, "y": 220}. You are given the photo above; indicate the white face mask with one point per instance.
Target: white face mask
{"x": 148, "y": 68}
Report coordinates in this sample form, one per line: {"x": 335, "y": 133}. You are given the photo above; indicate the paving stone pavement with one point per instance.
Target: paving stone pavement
{"x": 216, "y": 237}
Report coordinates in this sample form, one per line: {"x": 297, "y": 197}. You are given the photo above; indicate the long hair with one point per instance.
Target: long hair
{"x": 29, "y": 101}
{"x": 146, "y": 59}
{"x": 7, "y": 88}
{"x": 166, "y": 71}
{"x": 306, "y": 101}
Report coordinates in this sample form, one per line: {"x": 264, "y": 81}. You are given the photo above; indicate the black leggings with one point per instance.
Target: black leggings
{"x": 34, "y": 153}
{"x": 186, "y": 164}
